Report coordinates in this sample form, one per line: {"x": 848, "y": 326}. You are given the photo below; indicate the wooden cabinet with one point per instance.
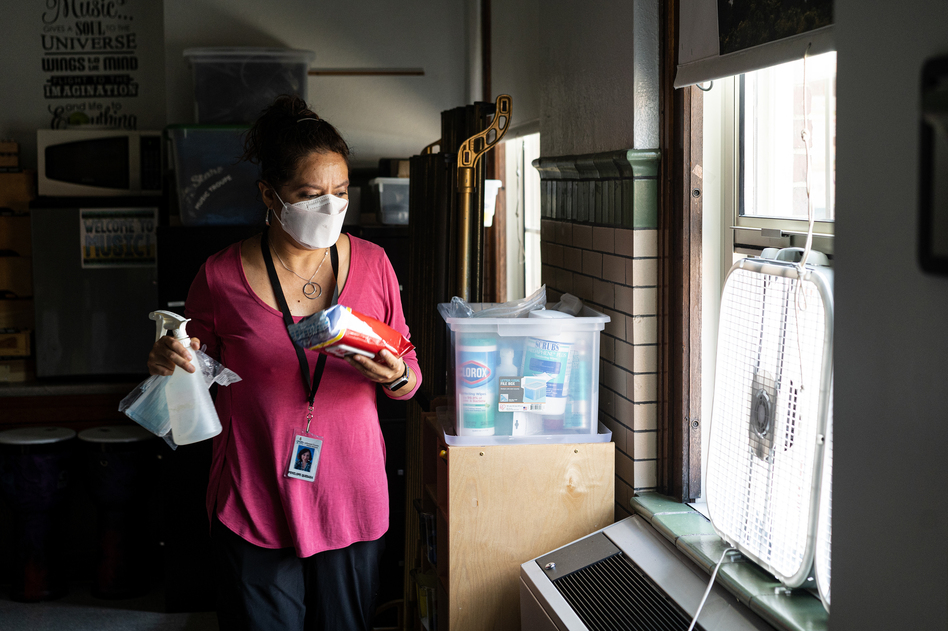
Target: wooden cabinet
{"x": 499, "y": 506}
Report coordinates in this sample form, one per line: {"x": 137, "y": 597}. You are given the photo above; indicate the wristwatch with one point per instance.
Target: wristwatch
{"x": 398, "y": 383}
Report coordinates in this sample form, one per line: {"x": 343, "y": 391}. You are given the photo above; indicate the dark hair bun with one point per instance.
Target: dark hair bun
{"x": 286, "y": 132}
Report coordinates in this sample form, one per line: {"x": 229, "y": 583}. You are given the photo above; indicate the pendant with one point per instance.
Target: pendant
{"x": 312, "y": 290}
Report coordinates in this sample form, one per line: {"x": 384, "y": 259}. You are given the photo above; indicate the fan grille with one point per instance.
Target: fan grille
{"x": 760, "y": 485}
{"x": 824, "y": 524}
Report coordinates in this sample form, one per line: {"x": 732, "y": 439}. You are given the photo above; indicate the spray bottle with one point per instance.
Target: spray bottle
{"x": 190, "y": 409}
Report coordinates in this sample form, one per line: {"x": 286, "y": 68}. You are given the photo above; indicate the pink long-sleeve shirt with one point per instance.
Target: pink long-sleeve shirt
{"x": 262, "y": 414}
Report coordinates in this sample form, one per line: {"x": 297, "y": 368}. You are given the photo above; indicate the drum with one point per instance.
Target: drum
{"x": 120, "y": 467}
{"x": 35, "y": 465}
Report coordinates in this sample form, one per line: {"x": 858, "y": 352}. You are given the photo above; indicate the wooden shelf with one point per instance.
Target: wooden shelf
{"x": 508, "y": 504}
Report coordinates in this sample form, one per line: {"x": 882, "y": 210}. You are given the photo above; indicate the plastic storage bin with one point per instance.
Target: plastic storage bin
{"x": 524, "y": 379}
{"x": 390, "y": 197}
{"x": 233, "y": 85}
{"x": 214, "y": 186}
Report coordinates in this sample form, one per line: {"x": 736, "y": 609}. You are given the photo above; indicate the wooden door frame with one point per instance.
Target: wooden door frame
{"x": 679, "y": 293}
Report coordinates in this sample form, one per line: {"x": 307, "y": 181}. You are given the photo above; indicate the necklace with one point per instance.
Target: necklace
{"x": 311, "y": 290}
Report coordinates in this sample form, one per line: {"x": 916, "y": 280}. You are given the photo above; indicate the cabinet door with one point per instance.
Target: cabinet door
{"x": 509, "y": 504}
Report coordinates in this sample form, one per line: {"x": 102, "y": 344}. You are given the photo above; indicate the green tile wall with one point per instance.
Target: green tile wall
{"x": 616, "y": 188}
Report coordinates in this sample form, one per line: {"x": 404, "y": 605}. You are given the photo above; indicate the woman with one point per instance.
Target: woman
{"x": 295, "y": 549}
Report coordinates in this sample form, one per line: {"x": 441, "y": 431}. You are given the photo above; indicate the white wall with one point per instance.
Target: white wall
{"x": 379, "y": 116}
{"x": 890, "y": 512}
{"x": 515, "y": 59}
{"x": 599, "y": 83}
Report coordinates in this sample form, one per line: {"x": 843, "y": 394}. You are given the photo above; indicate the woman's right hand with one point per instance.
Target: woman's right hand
{"x": 168, "y": 353}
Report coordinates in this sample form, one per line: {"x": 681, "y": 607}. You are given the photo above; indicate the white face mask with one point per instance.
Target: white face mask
{"x": 315, "y": 223}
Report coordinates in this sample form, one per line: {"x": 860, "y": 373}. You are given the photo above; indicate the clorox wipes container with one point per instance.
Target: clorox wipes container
{"x": 476, "y": 385}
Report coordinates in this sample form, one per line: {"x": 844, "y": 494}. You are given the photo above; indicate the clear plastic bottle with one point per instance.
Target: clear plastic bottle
{"x": 503, "y": 421}
{"x": 190, "y": 408}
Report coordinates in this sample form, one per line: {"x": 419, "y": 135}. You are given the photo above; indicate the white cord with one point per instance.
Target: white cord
{"x": 694, "y": 620}
{"x": 805, "y": 136}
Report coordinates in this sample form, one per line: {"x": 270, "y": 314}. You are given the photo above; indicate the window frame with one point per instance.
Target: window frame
{"x": 748, "y": 235}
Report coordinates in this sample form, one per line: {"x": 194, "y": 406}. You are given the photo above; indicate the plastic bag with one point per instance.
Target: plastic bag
{"x": 568, "y": 304}
{"x": 342, "y": 331}
{"x": 148, "y": 406}
{"x": 513, "y": 309}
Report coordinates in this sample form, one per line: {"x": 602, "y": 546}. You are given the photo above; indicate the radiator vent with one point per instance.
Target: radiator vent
{"x": 615, "y": 593}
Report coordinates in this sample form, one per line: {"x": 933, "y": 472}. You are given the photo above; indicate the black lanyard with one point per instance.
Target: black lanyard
{"x": 288, "y": 319}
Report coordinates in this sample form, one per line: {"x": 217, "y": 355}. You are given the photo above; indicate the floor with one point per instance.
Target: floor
{"x": 80, "y": 611}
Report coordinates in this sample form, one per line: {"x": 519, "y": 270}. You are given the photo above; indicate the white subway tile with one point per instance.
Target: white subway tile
{"x": 644, "y": 329}
{"x": 613, "y": 268}
{"x": 645, "y": 415}
{"x": 644, "y": 272}
{"x": 604, "y": 239}
{"x": 643, "y": 387}
{"x": 592, "y": 263}
{"x": 644, "y": 301}
{"x": 646, "y": 359}
{"x": 644, "y": 445}
{"x": 645, "y": 243}
{"x": 582, "y": 236}
{"x": 646, "y": 474}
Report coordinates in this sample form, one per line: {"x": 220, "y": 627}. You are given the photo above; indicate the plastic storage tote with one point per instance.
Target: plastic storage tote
{"x": 390, "y": 198}
{"x": 233, "y": 85}
{"x": 214, "y": 186}
{"x": 524, "y": 379}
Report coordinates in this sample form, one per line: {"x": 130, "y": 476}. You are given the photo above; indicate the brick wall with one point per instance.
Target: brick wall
{"x": 614, "y": 270}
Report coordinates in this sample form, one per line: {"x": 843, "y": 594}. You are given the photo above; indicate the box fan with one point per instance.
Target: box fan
{"x": 772, "y": 416}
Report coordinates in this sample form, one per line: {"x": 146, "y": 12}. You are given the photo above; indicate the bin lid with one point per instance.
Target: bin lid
{"x": 115, "y": 434}
{"x": 248, "y": 54}
{"x": 36, "y": 435}
{"x": 380, "y": 182}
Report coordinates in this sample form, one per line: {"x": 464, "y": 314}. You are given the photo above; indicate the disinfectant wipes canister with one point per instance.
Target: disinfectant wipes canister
{"x": 476, "y": 385}
{"x": 550, "y": 355}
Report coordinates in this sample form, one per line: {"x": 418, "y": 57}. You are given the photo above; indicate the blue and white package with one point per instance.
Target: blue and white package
{"x": 550, "y": 356}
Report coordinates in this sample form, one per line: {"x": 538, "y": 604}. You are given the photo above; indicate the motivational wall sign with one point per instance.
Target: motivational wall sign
{"x": 90, "y": 62}
{"x": 96, "y": 64}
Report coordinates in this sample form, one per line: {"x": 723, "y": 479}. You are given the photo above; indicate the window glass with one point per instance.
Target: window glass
{"x": 773, "y": 157}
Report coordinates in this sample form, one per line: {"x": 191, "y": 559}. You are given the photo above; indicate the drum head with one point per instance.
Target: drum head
{"x": 35, "y": 435}
{"x": 115, "y": 434}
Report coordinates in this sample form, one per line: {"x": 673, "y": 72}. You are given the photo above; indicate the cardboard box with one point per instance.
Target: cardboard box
{"x": 16, "y": 276}
{"x": 16, "y": 314}
{"x": 9, "y": 160}
{"x": 9, "y": 146}
{"x": 17, "y": 190}
{"x": 15, "y": 343}
{"x": 15, "y": 235}
{"x": 17, "y": 370}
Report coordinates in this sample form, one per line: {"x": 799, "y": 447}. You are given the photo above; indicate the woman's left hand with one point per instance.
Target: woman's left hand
{"x": 387, "y": 370}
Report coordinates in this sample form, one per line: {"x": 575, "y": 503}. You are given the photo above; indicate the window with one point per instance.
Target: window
{"x": 754, "y": 178}
{"x": 773, "y": 156}
{"x": 523, "y": 216}
{"x": 763, "y": 160}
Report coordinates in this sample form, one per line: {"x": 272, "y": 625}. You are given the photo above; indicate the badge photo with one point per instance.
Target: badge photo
{"x": 304, "y": 458}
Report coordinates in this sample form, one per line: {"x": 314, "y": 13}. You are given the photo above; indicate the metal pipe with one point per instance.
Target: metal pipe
{"x": 469, "y": 153}
{"x": 466, "y": 189}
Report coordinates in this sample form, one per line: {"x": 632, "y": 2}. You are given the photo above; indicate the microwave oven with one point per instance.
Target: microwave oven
{"x": 83, "y": 163}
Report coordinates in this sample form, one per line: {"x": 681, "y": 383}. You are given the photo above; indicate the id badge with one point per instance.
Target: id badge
{"x": 304, "y": 458}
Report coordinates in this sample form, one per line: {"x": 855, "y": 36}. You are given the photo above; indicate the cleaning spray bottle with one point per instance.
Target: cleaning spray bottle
{"x": 190, "y": 409}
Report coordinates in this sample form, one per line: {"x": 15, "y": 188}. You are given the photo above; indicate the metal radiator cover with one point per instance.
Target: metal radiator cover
{"x": 615, "y": 593}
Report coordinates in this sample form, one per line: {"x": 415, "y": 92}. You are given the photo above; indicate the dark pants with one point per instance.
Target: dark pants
{"x": 259, "y": 589}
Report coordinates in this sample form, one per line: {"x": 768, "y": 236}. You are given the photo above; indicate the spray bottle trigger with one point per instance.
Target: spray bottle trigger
{"x": 170, "y": 321}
